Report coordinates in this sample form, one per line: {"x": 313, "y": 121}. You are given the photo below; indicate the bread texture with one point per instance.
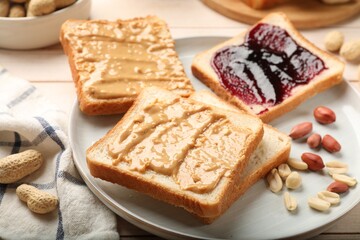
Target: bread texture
{"x": 112, "y": 61}
{"x": 273, "y": 150}
{"x": 202, "y": 69}
{"x": 209, "y": 143}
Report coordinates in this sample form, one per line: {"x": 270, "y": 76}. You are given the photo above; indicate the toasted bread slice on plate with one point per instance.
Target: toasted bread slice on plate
{"x": 112, "y": 61}
{"x": 269, "y": 69}
{"x": 178, "y": 150}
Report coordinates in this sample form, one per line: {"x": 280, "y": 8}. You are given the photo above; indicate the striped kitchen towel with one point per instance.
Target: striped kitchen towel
{"x": 29, "y": 121}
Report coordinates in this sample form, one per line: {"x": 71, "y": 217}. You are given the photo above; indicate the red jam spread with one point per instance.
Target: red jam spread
{"x": 266, "y": 67}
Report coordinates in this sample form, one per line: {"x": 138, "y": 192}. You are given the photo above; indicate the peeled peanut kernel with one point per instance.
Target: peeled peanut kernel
{"x": 333, "y": 41}
{"x": 351, "y": 50}
{"x": 16, "y": 166}
{"x": 336, "y": 167}
{"x": 338, "y": 187}
{"x": 331, "y": 197}
{"x": 314, "y": 140}
{"x": 350, "y": 181}
{"x": 274, "y": 180}
{"x": 37, "y": 201}
{"x": 314, "y": 161}
{"x": 298, "y": 165}
{"x": 293, "y": 181}
{"x": 318, "y": 204}
{"x": 324, "y": 115}
{"x": 290, "y": 202}
{"x": 333, "y": 171}
{"x": 300, "y": 130}
{"x": 284, "y": 170}
{"x": 336, "y": 164}
{"x": 330, "y": 144}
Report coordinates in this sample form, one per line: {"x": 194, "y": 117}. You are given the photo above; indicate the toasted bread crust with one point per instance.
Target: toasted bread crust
{"x": 206, "y": 73}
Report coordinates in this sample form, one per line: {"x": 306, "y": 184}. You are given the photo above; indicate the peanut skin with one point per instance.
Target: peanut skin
{"x": 4, "y": 8}
{"x": 37, "y": 201}
{"x": 63, "y": 3}
{"x": 40, "y": 7}
{"x": 17, "y": 166}
{"x": 17, "y": 10}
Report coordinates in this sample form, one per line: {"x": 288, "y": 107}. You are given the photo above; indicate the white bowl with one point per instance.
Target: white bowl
{"x": 38, "y": 32}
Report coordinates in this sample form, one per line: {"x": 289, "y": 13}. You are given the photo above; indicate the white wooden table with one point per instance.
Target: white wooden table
{"x": 48, "y": 69}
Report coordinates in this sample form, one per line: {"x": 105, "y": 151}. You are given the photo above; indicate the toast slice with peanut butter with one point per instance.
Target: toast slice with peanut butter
{"x": 178, "y": 150}
{"x": 273, "y": 149}
{"x": 112, "y": 61}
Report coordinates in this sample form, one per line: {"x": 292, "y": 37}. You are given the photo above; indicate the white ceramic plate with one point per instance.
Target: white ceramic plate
{"x": 259, "y": 214}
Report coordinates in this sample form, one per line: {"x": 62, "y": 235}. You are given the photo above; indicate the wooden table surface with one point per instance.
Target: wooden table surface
{"x": 48, "y": 69}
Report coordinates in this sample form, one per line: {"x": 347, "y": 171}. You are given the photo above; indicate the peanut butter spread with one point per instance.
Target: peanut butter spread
{"x": 118, "y": 59}
{"x": 183, "y": 139}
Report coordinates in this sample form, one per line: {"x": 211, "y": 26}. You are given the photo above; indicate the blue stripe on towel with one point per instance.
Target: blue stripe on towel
{"x": 25, "y": 143}
{"x": 50, "y": 131}
{"x": 2, "y": 191}
{"x": 21, "y": 97}
{"x": 60, "y": 230}
{"x": 17, "y": 144}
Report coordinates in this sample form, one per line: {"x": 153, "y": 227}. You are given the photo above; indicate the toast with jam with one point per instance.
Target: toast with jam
{"x": 269, "y": 69}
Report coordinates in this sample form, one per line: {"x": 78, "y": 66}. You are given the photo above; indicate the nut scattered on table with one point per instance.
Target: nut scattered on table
{"x": 330, "y": 144}
{"x": 314, "y": 161}
{"x": 300, "y": 130}
{"x": 296, "y": 164}
{"x": 284, "y": 170}
{"x": 293, "y": 181}
{"x": 350, "y": 181}
{"x": 318, "y": 204}
{"x": 351, "y": 50}
{"x": 16, "y": 166}
{"x": 37, "y": 201}
{"x": 274, "y": 180}
{"x": 338, "y": 187}
{"x": 324, "y": 115}
{"x": 333, "y": 41}
{"x": 314, "y": 140}
{"x": 336, "y": 167}
{"x": 331, "y": 197}
{"x": 290, "y": 202}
